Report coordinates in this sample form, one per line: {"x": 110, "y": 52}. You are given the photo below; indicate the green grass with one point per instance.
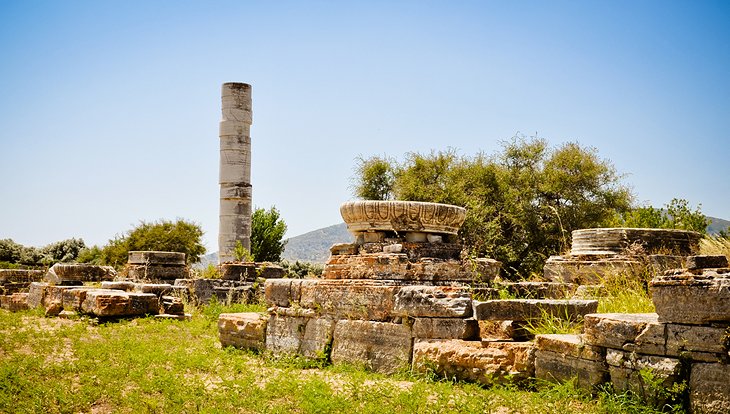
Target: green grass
{"x": 52, "y": 365}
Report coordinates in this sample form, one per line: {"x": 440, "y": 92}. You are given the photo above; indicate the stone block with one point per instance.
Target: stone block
{"x": 504, "y": 331}
{"x": 445, "y": 328}
{"x": 171, "y": 305}
{"x": 539, "y": 290}
{"x": 20, "y": 276}
{"x": 570, "y": 345}
{"x": 614, "y": 330}
{"x": 243, "y": 330}
{"x": 158, "y": 289}
{"x": 317, "y": 338}
{"x": 393, "y": 248}
{"x": 36, "y": 294}
{"x": 154, "y": 257}
{"x": 629, "y": 372}
{"x": 700, "y": 343}
{"x": 15, "y": 302}
{"x": 589, "y": 270}
{"x": 299, "y": 335}
{"x": 14, "y": 287}
{"x": 71, "y": 299}
{"x": 278, "y": 292}
{"x": 108, "y": 303}
{"x": 709, "y": 388}
{"x": 433, "y": 302}
{"x": 677, "y": 297}
{"x": 238, "y": 271}
{"x": 555, "y": 367}
{"x": 379, "y": 346}
{"x": 118, "y": 285}
{"x": 77, "y": 272}
{"x": 474, "y": 361}
{"x": 350, "y": 299}
{"x": 237, "y": 294}
{"x": 705, "y": 262}
{"x": 203, "y": 290}
{"x": 530, "y": 309}
{"x": 154, "y": 272}
{"x": 267, "y": 270}
{"x": 343, "y": 249}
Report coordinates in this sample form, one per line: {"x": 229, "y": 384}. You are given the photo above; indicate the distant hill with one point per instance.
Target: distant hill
{"x": 315, "y": 245}
{"x": 717, "y": 225}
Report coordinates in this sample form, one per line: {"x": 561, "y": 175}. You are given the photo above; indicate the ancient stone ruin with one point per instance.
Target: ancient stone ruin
{"x": 401, "y": 297}
{"x": 597, "y": 253}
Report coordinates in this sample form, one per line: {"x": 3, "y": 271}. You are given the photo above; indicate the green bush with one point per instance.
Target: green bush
{"x": 267, "y": 233}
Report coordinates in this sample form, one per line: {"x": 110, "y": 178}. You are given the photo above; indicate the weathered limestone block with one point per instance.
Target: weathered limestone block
{"x": 381, "y": 347}
{"x": 203, "y": 290}
{"x": 36, "y": 294}
{"x": 445, "y": 328}
{"x": 563, "y": 357}
{"x": 343, "y": 249}
{"x": 158, "y": 289}
{"x": 20, "y": 275}
{"x": 119, "y": 304}
{"x": 433, "y": 302}
{"x": 642, "y": 333}
{"x": 156, "y": 257}
{"x": 155, "y": 272}
{"x": 617, "y": 240}
{"x": 504, "y": 330}
{"x": 705, "y": 262}
{"x": 589, "y": 270}
{"x": 243, "y": 330}
{"x": 284, "y": 292}
{"x": 529, "y": 309}
{"x": 71, "y": 298}
{"x": 233, "y": 294}
{"x": 14, "y": 287}
{"x": 60, "y": 273}
{"x": 627, "y": 371}
{"x": 267, "y": 270}
{"x": 350, "y": 299}
{"x": 402, "y": 216}
{"x": 398, "y": 266}
{"x": 539, "y": 290}
{"x": 614, "y": 330}
{"x": 677, "y": 297}
{"x": 171, "y": 305}
{"x": 482, "y": 362}
{"x": 15, "y": 302}
{"x": 709, "y": 388}
{"x": 238, "y": 271}
{"x": 126, "y": 286}
{"x": 299, "y": 335}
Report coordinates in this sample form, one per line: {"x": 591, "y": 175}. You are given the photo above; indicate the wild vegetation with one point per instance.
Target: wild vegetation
{"x": 267, "y": 234}
{"x": 522, "y": 202}
{"x": 146, "y": 365}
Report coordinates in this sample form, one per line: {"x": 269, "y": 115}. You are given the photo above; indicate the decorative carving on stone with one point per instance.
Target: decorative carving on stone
{"x": 402, "y": 216}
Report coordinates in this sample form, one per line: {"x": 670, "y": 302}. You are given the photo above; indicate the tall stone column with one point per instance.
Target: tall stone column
{"x": 235, "y": 169}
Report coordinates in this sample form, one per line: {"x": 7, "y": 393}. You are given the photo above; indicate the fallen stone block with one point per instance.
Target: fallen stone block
{"x": 118, "y": 285}
{"x": 119, "y": 304}
{"x": 705, "y": 262}
{"x": 445, "y": 328}
{"x": 238, "y": 271}
{"x": 709, "y": 388}
{"x": 20, "y": 276}
{"x": 243, "y": 330}
{"x": 677, "y": 296}
{"x": 60, "y": 273}
{"x": 530, "y": 309}
{"x": 647, "y": 376}
{"x": 36, "y": 294}
{"x": 155, "y": 257}
{"x": 433, "y": 302}
{"x": 561, "y": 358}
{"x": 171, "y": 305}
{"x": 379, "y": 346}
{"x": 474, "y": 361}
{"x": 71, "y": 298}
{"x": 15, "y": 302}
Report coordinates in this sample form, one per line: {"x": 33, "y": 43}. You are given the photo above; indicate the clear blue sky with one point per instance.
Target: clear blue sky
{"x": 109, "y": 111}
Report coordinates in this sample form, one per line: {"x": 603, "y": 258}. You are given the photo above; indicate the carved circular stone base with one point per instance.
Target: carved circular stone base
{"x": 617, "y": 240}
{"x": 402, "y": 216}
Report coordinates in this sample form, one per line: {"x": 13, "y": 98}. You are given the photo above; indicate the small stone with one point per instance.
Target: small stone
{"x": 393, "y": 248}
{"x": 54, "y": 309}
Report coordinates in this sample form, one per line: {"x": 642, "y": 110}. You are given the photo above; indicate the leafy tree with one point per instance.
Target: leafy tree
{"x": 675, "y": 215}
{"x": 376, "y": 178}
{"x": 178, "y": 236}
{"x": 91, "y": 255}
{"x": 522, "y": 203}
{"x": 267, "y": 233}
{"x": 10, "y": 251}
{"x": 63, "y": 251}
